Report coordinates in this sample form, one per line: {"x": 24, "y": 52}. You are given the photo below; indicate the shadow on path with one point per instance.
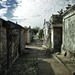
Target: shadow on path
{"x": 42, "y": 65}
{"x": 33, "y": 63}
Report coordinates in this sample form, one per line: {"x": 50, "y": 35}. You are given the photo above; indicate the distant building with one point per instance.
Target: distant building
{"x": 46, "y": 39}
{"x": 68, "y": 41}
{"x": 28, "y": 35}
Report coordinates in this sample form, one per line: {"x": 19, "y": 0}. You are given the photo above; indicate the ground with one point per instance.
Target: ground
{"x": 69, "y": 63}
{"x": 37, "y": 62}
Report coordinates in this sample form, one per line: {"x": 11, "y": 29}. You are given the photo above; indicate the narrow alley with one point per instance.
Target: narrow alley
{"x": 37, "y": 37}
{"x": 37, "y": 62}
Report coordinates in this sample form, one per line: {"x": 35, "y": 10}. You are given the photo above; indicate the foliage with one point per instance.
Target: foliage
{"x": 60, "y": 12}
{"x": 41, "y": 34}
{"x": 56, "y": 19}
{"x": 35, "y": 30}
{"x": 68, "y": 6}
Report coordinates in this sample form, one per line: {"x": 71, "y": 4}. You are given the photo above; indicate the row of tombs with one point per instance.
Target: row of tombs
{"x": 13, "y": 39}
{"x": 59, "y": 32}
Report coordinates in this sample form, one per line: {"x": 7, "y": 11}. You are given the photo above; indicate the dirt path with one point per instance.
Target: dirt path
{"x": 37, "y": 63}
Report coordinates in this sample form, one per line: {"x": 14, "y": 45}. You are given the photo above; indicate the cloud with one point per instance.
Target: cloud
{"x": 31, "y": 12}
{"x": 30, "y": 8}
{"x": 5, "y": 18}
{"x": 3, "y": 12}
{"x": 3, "y": 3}
{"x": 9, "y": 5}
{"x": 24, "y": 10}
{"x": 35, "y": 10}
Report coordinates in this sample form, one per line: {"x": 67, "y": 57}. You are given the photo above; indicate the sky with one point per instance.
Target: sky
{"x": 31, "y": 12}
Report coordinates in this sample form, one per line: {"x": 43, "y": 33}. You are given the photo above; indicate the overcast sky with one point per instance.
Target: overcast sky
{"x": 30, "y": 12}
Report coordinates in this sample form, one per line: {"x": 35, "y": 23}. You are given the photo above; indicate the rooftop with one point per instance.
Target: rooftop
{"x": 72, "y": 8}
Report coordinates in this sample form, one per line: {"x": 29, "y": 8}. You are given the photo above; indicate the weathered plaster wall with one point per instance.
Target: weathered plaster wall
{"x": 3, "y": 48}
{"x": 52, "y": 37}
{"x": 11, "y": 44}
{"x": 22, "y": 39}
{"x": 46, "y": 41}
{"x": 69, "y": 32}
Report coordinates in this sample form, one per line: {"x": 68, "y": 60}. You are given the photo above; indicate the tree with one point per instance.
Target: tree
{"x": 35, "y": 30}
{"x": 41, "y": 34}
{"x": 69, "y": 6}
{"x": 60, "y": 15}
{"x": 60, "y": 12}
